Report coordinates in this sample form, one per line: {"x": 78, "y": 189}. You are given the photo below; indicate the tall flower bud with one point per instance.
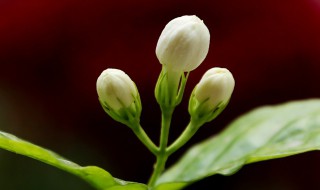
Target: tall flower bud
{"x": 211, "y": 95}
{"x": 183, "y": 44}
{"x": 119, "y": 96}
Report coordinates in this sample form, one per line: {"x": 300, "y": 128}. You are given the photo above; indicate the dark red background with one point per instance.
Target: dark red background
{"x": 51, "y": 53}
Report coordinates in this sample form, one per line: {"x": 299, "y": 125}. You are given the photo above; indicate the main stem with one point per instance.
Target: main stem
{"x": 162, "y": 155}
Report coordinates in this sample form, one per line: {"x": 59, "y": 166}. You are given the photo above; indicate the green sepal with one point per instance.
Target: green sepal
{"x": 183, "y": 82}
{"x": 169, "y": 88}
{"x": 199, "y": 112}
{"x": 129, "y": 116}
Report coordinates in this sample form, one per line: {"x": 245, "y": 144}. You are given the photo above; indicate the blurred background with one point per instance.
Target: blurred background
{"x": 51, "y": 53}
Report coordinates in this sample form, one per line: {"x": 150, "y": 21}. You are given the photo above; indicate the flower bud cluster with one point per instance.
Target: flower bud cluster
{"x": 181, "y": 48}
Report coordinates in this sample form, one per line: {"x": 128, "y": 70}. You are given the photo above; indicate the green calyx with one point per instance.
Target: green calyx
{"x": 129, "y": 116}
{"x": 170, "y": 88}
{"x": 200, "y": 113}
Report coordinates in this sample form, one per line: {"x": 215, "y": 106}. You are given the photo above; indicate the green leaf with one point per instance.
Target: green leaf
{"x": 97, "y": 177}
{"x": 265, "y": 133}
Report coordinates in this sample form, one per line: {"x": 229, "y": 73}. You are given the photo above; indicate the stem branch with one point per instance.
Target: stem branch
{"x": 144, "y": 138}
{"x": 186, "y": 135}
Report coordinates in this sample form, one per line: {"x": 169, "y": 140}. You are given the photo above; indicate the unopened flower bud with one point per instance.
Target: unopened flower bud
{"x": 183, "y": 44}
{"x": 118, "y": 95}
{"x": 212, "y": 94}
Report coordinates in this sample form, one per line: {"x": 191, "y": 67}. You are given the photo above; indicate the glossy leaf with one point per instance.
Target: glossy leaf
{"x": 265, "y": 133}
{"x": 97, "y": 177}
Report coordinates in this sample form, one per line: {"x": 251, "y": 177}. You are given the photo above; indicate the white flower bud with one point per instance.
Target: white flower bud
{"x": 215, "y": 87}
{"x": 183, "y": 44}
{"x": 211, "y": 95}
{"x": 116, "y": 89}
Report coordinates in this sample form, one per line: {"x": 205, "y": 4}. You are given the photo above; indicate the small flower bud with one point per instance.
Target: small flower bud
{"x": 212, "y": 94}
{"x": 183, "y": 44}
{"x": 215, "y": 87}
{"x": 115, "y": 88}
{"x": 118, "y": 95}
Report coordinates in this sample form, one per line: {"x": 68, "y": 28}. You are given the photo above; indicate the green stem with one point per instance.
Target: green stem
{"x": 186, "y": 135}
{"x": 158, "y": 169}
{"x": 144, "y": 138}
{"x": 162, "y": 155}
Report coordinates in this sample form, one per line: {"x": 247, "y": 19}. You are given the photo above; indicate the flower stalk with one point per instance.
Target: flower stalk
{"x": 144, "y": 138}
{"x": 186, "y": 135}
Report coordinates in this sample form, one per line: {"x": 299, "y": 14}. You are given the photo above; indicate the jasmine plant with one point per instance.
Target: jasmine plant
{"x": 265, "y": 133}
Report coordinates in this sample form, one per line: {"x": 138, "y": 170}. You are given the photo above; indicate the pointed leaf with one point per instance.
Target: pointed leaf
{"x": 97, "y": 177}
{"x": 265, "y": 133}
